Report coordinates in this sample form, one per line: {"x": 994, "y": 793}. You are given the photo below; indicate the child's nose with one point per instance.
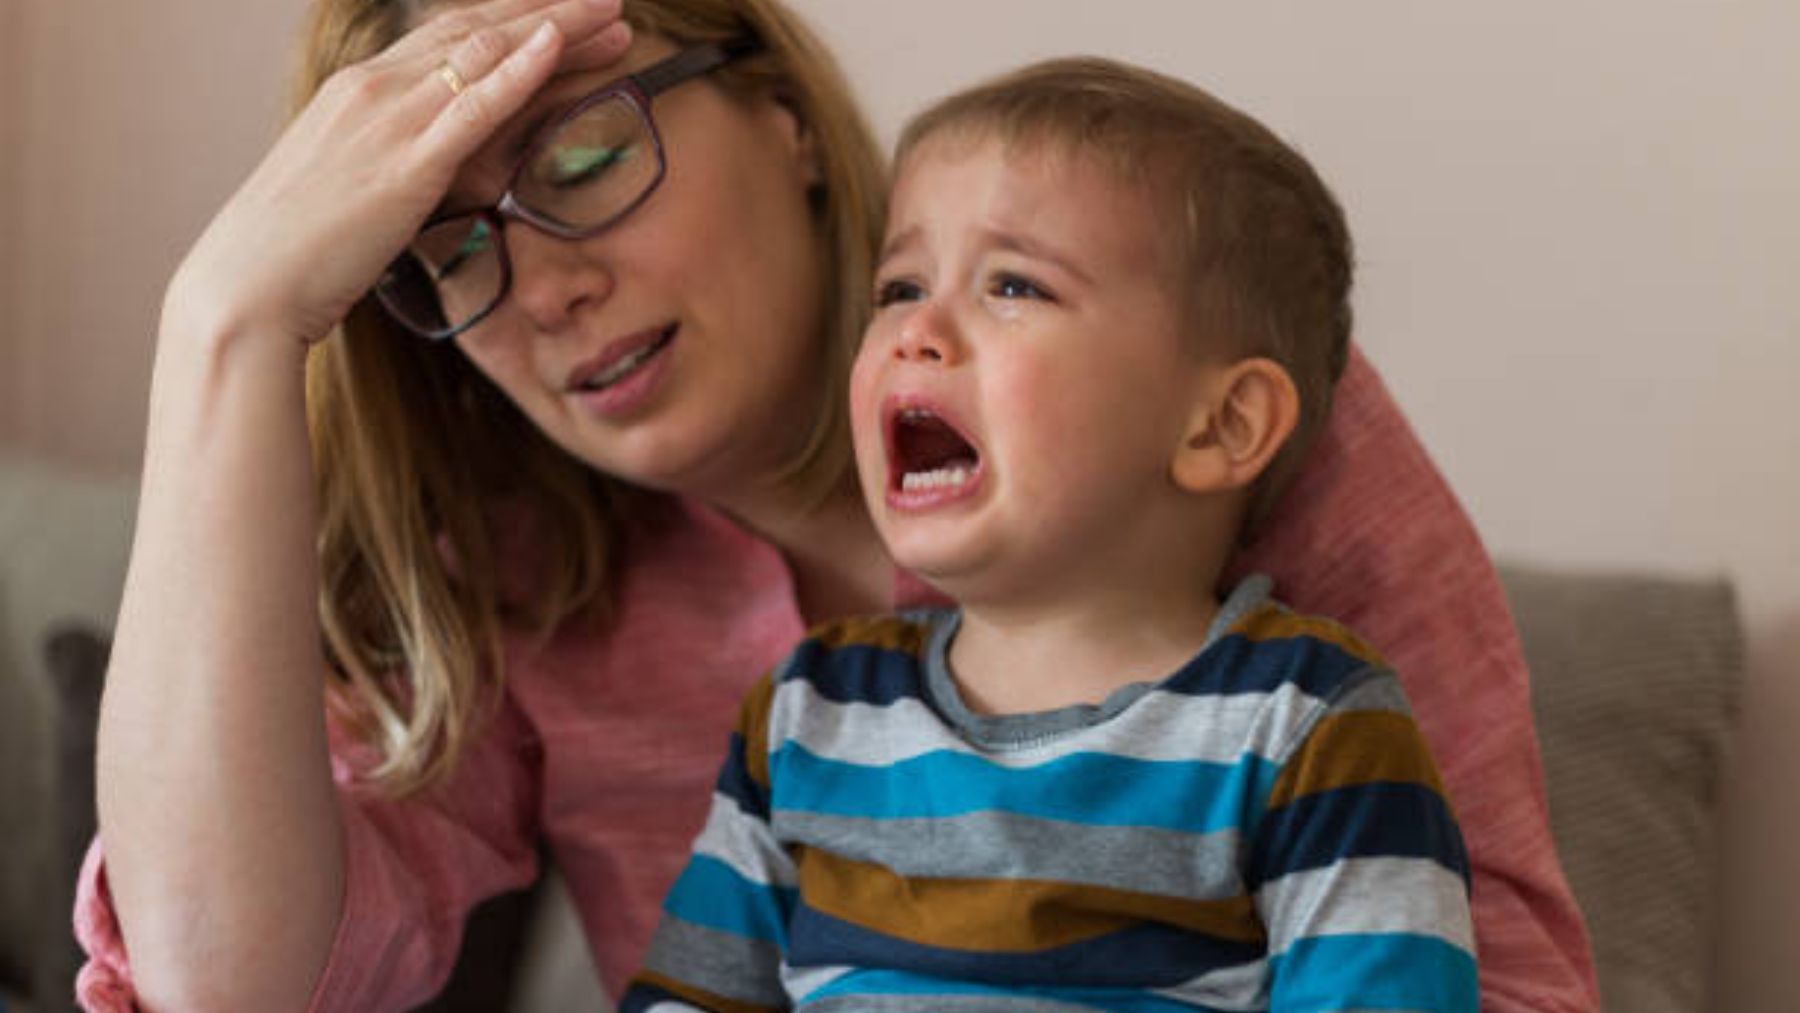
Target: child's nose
{"x": 929, "y": 335}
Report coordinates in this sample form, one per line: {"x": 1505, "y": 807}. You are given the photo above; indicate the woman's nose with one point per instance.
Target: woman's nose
{"x": 552, "y": 278}
{"x": 929, "y": 336}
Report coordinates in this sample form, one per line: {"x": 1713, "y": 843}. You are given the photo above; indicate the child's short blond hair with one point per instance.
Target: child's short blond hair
{"x": 1260, "y": 237}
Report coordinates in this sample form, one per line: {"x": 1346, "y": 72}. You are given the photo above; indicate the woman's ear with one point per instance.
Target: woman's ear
{"x": 803, "y": 138}
{"x": 1245, "y": 414}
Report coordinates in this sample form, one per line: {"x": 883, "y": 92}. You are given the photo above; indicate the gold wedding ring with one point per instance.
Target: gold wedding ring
{"x": 452, "y": 78}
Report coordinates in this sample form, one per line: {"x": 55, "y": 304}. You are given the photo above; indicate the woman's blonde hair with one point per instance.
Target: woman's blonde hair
{"x": 433, "y": 485}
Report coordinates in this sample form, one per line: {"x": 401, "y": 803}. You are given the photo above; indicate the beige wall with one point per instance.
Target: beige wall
{"x": 1579, "y": 228}
{"x": 128, "y": 124}
{"x": 11, "y": 367}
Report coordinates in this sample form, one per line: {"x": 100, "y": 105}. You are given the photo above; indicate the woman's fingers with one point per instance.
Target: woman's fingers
{"x": 496, "y": 86}
{"x": 467, "y": 89}
{"x": 504, "y": 24}
{"x": 481, "y": 86}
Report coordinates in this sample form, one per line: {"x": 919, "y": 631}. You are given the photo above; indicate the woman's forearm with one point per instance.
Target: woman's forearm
{"x": 216, "y": 802}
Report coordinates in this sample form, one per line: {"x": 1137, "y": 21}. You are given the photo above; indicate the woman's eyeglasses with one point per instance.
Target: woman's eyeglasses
{"x": 594, "y": 165}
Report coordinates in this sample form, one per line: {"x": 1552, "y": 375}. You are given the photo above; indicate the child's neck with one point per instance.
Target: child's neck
{"x": 1015, "y": 659}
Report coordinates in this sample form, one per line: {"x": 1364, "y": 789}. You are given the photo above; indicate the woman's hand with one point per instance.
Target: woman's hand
{"x": 357, "y": 172}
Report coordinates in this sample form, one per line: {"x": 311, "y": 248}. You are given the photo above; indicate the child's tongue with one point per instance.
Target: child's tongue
{"x": 924, "y": 443}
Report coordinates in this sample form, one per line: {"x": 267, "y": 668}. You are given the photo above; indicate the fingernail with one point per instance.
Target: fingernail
{"x": 541, "y": 38}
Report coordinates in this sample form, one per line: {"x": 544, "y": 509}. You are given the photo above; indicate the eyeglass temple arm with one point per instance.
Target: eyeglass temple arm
{"x": 691, "y": 62}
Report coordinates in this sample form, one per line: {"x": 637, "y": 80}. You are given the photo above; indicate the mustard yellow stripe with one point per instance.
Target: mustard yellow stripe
{"x": 1003, "y": 915}
{"x": 1353, "y": 748}
{"x": 700, "y": 997}
{"x": 1273, "y": 623}
{"x": 889, "y": 632}
{"x": 753, "y": 725}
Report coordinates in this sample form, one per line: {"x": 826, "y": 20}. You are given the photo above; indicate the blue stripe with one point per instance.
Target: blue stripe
{"x": 1145, "y": 955}
{"x": 856, "y": 673}
{"x": 1385, "y": 819}
{"x": 1236, "y": 664}
{"x": 1374, "y": 972}
{"x": 710, "y": 893}
{"x": 1091, "y": 788}
{"x": 736, "y": 783}
{"x": 869, "y": 983}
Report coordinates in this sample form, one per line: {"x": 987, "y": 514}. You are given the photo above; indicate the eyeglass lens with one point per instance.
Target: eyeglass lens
{"x": 591, "y": 169}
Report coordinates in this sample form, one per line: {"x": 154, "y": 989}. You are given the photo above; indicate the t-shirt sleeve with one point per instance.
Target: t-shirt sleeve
{"x": 1372, "y": 536}
{"x": 723, "y": 933}
{"x": 1357, "y": 867}
{"x": 414, "y": 869}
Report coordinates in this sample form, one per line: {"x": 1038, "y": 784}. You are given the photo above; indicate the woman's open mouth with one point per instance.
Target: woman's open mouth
{"x": 930, "y": 460}
{"x": 623, "y": 378}
{"x": 622, "y": 359}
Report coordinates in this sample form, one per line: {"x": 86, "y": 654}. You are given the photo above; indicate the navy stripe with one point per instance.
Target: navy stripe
{"x": 1386, "y": 819}
{"x": 1147, "y": 955}
{"x": 855, "y": 673}
{"x": 1236, "y": 664}
{"x": 643, "y": 995}
{"x": 735, "y": 782}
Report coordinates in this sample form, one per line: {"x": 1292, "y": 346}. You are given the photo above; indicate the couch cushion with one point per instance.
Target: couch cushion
{"x": 1635, "y": 685}
{"x": 64, "y": 536}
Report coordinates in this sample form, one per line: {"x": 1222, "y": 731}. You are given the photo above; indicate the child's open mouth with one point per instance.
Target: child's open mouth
{"x": 930, "y": 460}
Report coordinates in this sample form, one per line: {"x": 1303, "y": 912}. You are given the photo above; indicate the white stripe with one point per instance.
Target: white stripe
{"x": 1242, "y": 988}
{"x": 1415, "y": 896}
{"x": 1161, "y": 726}
{"x": 744, "y": 842}
{"x": 802, "y": 982}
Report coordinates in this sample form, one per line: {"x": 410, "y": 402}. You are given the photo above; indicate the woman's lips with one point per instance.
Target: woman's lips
{"x": 622, "y": 378}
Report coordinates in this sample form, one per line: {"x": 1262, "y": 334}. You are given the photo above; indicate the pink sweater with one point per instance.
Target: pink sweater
{"x": 607, "y": 746}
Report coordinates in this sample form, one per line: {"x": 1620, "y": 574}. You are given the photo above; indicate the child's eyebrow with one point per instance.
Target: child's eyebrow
{"x": 996, "y": 238}
{"x": 1035, "y": 249}
{"x": 897, "y": 243}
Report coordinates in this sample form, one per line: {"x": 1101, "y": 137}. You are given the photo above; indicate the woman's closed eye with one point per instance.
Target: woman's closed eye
{"x": 575, "y": 166}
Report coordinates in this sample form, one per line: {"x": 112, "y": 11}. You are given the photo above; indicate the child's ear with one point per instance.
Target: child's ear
{"x": 1244, "y": 416}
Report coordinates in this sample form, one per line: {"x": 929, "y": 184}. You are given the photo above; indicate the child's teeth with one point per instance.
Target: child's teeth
{"x": 913, "y": 481}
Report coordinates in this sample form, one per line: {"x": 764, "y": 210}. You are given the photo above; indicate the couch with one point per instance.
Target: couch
{"x": 1636, "y": 688}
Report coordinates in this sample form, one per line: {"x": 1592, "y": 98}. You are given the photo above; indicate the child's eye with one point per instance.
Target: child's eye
{"x": 1013, "y": 286}
{"x": 889, "y": 292}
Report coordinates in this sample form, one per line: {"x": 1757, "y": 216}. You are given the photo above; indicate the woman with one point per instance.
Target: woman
{"x": 577, "y": 474}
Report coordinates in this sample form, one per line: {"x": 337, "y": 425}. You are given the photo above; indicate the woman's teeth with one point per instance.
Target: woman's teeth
{"x": 914, "y": 481}
{"x": 617, "y": 370}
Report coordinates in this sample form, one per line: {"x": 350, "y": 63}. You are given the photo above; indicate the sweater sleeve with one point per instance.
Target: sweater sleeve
{"x": 723, "y": 933}
{"x": 1371, "y": 535}
{"x": 414, "y": 869}
{"x": 1357, "y": 866}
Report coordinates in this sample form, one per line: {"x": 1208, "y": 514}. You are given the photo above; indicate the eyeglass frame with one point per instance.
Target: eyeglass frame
{"x": 638, "y": 89}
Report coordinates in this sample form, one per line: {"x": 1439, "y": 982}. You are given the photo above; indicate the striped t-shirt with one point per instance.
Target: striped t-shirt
{"x": 1263, "y": 829}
